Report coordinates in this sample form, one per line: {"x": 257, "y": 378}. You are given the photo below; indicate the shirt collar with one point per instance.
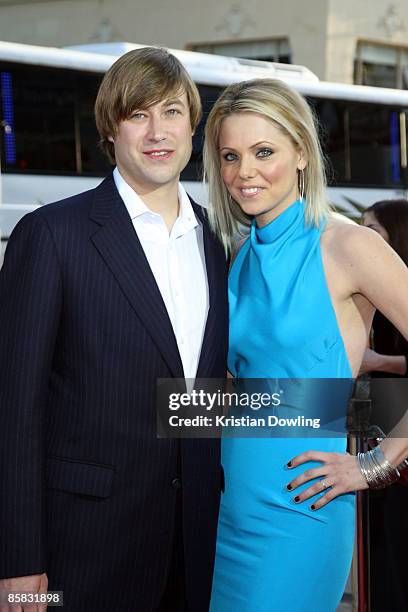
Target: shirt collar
{"x": 136, "y": 207}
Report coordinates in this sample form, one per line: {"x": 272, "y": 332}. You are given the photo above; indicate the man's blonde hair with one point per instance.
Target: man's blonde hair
{"x": 137, "y": 80}
{"x": 289, "y": 111}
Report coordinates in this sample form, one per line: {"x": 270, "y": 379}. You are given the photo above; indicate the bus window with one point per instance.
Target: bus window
{"x": 92, "y": 160}
{"x": 194, "y": 169}
{"x": 331, "y": 117}
{"x": 53, "y": 126}
{"x": 43, "y": 109}
{"x": 374, "y": 145}
{"x": 7, "y": 122}
{"x": 362, "y": 142}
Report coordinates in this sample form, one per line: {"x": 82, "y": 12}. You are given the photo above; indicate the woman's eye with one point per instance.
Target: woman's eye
{"x": 229, "y": 157}
{"x": 264, "y": 153}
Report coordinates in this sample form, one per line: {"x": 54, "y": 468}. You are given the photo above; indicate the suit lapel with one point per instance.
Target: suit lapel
{"x": 119, "y": 246}
{"x": 211, "y": 250}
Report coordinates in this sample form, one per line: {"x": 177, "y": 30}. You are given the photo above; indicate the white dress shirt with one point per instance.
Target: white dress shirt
{"x": 177, "y": 261}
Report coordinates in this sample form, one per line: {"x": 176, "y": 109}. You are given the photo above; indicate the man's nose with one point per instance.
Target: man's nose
{"x": 156, "y": 129}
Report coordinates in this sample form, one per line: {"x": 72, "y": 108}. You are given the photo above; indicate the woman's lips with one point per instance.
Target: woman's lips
{"x": 250, "y": 192}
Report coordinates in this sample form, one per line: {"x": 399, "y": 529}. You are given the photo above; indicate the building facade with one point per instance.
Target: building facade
{"x": 351, "y": 41}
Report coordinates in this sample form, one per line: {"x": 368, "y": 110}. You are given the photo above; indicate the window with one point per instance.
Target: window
{"x": 194, "y": 169}
{"x": 381, "y": 65}
{"x": 270, "y": 50}
{"x": 330, "y": 115}
{"x": 374, "y": 145}
{"x": 43, "y": 110}
{"x": 362, "y": 142}
{"x": 50, "y": 128}
{"x": 49, "y": 120}
{"x": 93, "y": 160}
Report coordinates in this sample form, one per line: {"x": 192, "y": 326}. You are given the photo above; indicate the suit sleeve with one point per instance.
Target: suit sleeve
{"x": 30, "y": 309}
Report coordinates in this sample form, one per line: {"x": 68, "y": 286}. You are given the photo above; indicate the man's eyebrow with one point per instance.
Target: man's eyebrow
{"x": 172, "y": 101}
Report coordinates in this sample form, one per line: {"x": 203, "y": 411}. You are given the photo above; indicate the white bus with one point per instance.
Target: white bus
{"x": 49, "y": 141}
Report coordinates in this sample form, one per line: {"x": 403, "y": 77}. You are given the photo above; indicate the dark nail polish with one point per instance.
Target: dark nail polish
{"x": 297, "y": 498}
{"x": 289, "y": 487}
{"x": 289, "y": 464}
{"x": 313, "y": 507}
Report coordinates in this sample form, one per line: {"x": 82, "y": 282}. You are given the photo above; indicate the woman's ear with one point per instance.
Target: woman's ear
{"x": 110, "y": 138}
{"x": 302, "y": 161}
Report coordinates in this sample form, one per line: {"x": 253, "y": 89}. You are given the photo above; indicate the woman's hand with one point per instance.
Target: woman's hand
{"x": 372, "y": 362}
{"x": 375, "y": 362}
{"x": 339, "y": 473}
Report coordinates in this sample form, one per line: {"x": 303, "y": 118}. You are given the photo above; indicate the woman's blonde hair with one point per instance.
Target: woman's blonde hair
{"x": 289, "y": 111}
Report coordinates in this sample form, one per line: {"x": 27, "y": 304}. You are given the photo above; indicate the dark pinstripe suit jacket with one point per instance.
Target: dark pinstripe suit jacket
{"x": 86, "y": 487}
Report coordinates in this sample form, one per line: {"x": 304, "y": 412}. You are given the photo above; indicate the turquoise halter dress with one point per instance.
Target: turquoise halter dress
{"x": 274, "y": 555}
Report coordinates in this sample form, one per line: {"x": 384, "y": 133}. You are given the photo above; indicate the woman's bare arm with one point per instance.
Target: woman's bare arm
{"x": 376, "y": 272}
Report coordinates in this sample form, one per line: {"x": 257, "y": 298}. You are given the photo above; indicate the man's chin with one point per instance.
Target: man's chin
{"x": 160, "y": 179}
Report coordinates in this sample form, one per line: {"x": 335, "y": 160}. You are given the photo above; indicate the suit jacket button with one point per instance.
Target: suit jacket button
{"x": 176, "y": 483}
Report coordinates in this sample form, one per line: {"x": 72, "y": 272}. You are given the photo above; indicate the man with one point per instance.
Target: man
{"x": 100, "y": 295}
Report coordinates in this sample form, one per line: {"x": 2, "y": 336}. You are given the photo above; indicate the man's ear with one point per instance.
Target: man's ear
{"x": 110, "y": 138}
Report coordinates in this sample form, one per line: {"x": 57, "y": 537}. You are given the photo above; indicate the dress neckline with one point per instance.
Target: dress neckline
{"x": 286, "y": 222}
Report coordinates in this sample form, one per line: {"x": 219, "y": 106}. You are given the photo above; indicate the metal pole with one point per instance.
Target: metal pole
{"x": 359, "y": 417}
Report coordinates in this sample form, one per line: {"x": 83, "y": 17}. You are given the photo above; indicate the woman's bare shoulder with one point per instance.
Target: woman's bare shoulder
{"x": 338, "y": 224}
{"x": 348, "y": 239}
{"x": 361, "y": 257}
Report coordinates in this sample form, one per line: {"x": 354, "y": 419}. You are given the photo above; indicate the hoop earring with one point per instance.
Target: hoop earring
{"x": 301, "y": 185}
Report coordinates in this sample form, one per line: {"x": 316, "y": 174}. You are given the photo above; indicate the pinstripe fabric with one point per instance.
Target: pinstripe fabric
{"x": 86, "y": 486}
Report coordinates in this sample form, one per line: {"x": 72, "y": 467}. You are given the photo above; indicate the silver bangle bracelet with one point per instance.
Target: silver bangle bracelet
{"x": 403, "y": 465}
{"x": 376, "y": 469}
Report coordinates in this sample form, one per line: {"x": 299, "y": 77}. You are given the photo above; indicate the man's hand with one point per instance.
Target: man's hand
{"x": 37, "y": 583}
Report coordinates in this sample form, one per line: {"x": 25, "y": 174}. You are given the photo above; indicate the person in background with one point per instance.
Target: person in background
{"x": 389, "y": 218}
{"x": 388, "y": 358}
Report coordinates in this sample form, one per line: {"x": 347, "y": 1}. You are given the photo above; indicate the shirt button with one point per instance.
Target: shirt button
{"x": 176, "y": 483}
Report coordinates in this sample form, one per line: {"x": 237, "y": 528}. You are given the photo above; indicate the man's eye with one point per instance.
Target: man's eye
{"x": 173, "y": 112}
{"x": 138, "y": 116}
{"x": 264, "y": 152}
{"x": 229, "y": 157}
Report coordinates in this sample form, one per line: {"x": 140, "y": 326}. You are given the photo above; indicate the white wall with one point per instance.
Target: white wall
{"x": 350, "y": 20}
{"x": 322, "y": 33}
{"x": 173, "y": 24}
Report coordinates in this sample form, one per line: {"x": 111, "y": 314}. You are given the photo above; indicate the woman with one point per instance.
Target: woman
{"x": 388, "y": 358}
{"x": 389, "y": 218}
{"x": 302, "y": 297}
